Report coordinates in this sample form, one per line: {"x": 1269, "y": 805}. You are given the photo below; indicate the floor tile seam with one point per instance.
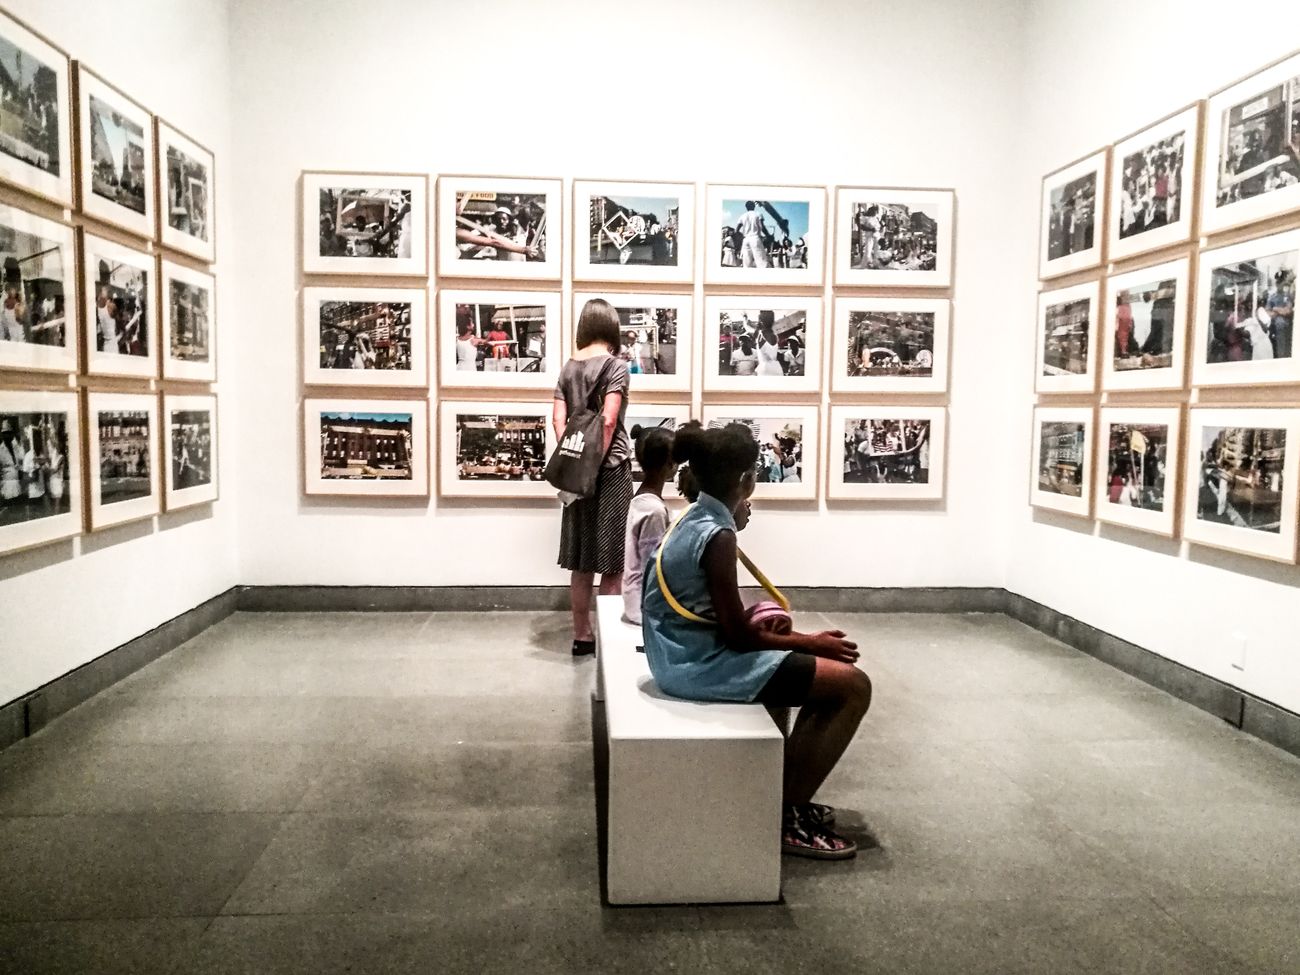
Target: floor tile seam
{"x": 1191, "y": 932}
{"x": 238, "y": 882}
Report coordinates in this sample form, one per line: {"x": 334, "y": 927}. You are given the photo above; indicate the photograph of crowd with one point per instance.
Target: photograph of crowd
{"x": 1066, "y": 329}
{"x": 117, "y": 157}
{"x": 637, "y": 230}
{"x": 765, "y": 234}
{"x": 1072, "y": 217}
{"x": 780, "y": 447}
{"x": 29, "y": 109}
{"x": 1061, "y": 457}
{"x": 649, "y": 340}
{"x": 762, "y": 342}
{"x": 1145, "y": 325}
{"x": 191, "y": 440}
{"x": 366, "y": 446}
{"x": 124, "y": 455}
{"x": 121, "y": 306}
{"x": 191, "y": 321}
{"x": 1252, "y": 309}
{"x": 373, "y": 223}
{"x": 1151, "y": 191}
{"x": 1241, "y": 477}
{"x": 1136, "y": 465}
{"x": 365, "y": 335}
{"x": 893, "y": 237}
{"x": 886, "y": 451}
{"x": 187, "y": 194}
{"x": 35, "y": 467}
{"x": 1260, "y": 145}
{"x": 498, "y": 447}
{"x": 500, "y": 338}
{"x": 500, "y": 226}
{"x": 891, "y": 344}
{"x": 35, "y": 269}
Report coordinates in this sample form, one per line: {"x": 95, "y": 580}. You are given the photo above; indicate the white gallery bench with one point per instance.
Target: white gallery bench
{"x": 694, "y": 789}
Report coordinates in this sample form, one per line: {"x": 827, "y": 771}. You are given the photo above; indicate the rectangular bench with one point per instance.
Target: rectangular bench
{"x": 694, "y": 788}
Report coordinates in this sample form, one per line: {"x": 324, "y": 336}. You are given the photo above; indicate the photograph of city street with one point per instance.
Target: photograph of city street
{"x": 124, "y": 455}
{"x": 493, "y": 226}
{"x": 1241, "y": 477}
{"x": 893, "y": 237}
{"x": 780, "y": 447}
{"x": 1259, "y": 151}
{"x": 500, "y": 337}
{"x": 500, "y": 447}
{"x": 365, "y": 335}
{"x": 191, "y": 448}
{"x": 35, "y": 467}
{"x": 649, "y": 340}
{"x": 121, "y": 305}
{"x": 187, "y": 194}
{"x": 1072, "y": 217}
{"x": 887, "y": 451}
{"x": 374, "y": 223}
{"x": 1066, "y": 329}
{"x": 639, "y": 423}
{"x": 1151, "y": 187}
{"x": 117, "y": 157}
{"x": 890, "y": 344}
{"x": 1252, "y": 309}
{"x": 1136, "y": 465}
{"x": 637, "y": 230}
{"x": 1144, "y": 325}
{"x": 762, "y": 342}
{"x": 29, "y": 108}
{"x": 764, "y": 234}
{"x": 36, "y": 270}
{"x": 191, "y": 321}
{"x": 365, "y": 446}
{"x": 1061, "y": 460}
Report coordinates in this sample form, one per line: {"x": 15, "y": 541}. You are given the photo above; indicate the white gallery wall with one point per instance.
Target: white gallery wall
{"x": 67, "y": 603}
{"x": 1095, "y": 72}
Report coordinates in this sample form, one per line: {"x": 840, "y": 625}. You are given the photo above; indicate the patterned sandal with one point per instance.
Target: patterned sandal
{"x": 802, "y": 838}
{"x": 818, "y": 814}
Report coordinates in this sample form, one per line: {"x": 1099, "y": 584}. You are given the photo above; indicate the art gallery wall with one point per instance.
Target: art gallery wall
{"x": 829, "y": 91}
{"x": 1094, "y": 73}
{"x": 67, "y": 603}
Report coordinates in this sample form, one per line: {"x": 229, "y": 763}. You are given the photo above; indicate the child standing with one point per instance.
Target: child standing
{"x": 647, "y": 517}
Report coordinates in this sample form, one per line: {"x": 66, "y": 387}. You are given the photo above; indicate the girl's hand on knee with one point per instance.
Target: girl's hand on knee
{"x": 832, "y": 645}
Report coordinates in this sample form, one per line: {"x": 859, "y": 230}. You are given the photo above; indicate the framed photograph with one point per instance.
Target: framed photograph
{"x": 495, "y": 450}
{"x": 1062, "y": 472}
{"x": 500, "y": 339}
{"x": 647, "y": 416}
{"x": 1067, "y": 354}
{"x": 658, "y": 336}
{"x": 121, "y": 328}
{"x": 1152, "y": 186}
{"x": 762, "y": 344}
{"x": 787, "y": 437}
{"x": 638, "y": 232}
{"x": 1242, "y": 467}
{"x": 187, "y": 180}
{"x": 1137, "y": 468}
{"x": 1252, "y": 149}
{"x": 1245, "y": 313}
{"x": 36, "y": 147}
{"x": 124, "y": 481}
{"x": 765, "y": 235}
{"x": 1069, "y": 239}
{"x": 189, "y": 450}
{"x": 117, "y": 156}
{"x": 189, "y": 323}
{"x": 891, "y": 345}
{"x": 894, "y": 237}
{"x": 368, "y": 447}
{"x": 38, "y": 320}
{"x": 495, "y": 227}
{"x": 887, "y": 453}
{"x": 1144, "y": 344}
{"x": 365, "y": 223}
{"x": 365, "y": 337}
{"x": 40, "y": 468}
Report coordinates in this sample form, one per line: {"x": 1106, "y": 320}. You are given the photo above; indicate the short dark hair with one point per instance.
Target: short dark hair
{"x": 749, "y": 204}
{"x": 599, "y": 323}
{"x": 654, "y": 446}
{"x": 719, "y": 457}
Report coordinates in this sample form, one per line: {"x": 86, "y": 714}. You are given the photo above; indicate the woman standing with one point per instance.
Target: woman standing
{"x": 769, "y": 347}
{"x": 591, "y": 533}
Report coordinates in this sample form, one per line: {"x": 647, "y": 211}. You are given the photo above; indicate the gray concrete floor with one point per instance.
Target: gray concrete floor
{"x": 393, "y": 793}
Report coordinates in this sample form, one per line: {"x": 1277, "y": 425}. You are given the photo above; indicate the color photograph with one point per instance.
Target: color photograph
{"x": 644, "y": 417}
{"x": 657, "y": 337}
{"x": 495, "y": 449}
{"x": 35, "y": 114}
{"x": 365, "y": 336}
{"x": 891, "y": 345}
{"x": 1146, "y": 328}
{"x": 1152, "y": 191}
{"x": 38, "y": 314}
{"x": 365, "y": 223}
{"x": 900, "y": 238}
{"x": 887, "y": 453}
{"x": 765, "y": 235}
{"x": 633, "y": 231}
{"x": 762, "y": 344}
{"x": 494, "y": 227}
{"x": 1070, "y": 237}
{"x": 499, "y": 339}
{"x": 1066, "y": 350}
{"x": 377, "y": 448}
{"x": 1138, "y": 468}
{"x": 787, "y": 437}
{"x": 40, "y": 468}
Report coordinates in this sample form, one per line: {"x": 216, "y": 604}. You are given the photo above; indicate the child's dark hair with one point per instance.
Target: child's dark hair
{"x": 719, "y": 457}
{"x": 654, "y": 446}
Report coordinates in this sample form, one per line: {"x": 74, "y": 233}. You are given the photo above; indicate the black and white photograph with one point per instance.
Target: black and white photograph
{"x": 499, "y": 228}
{"x": 1146, "y": 327}
{"x": 656, "y": 337}
{"x": 887, "y": 453}
{"x": 366, "y": 447}
{"x": 1152, "y": 185}
{"x": 365, "y": 336}
{"x": 124, "y": 476}
{"x": 1071, "y": 205}
{"x": 38, "y": 314}
{"x": 787, "y": 447}
{"x": 40, "y": 474}
{"x": 1066, "y": 355}
{"x": 495, "y": 449}
{"x": 190, "y": 449}
{"x": 187, "y": 181}
{"x": 365, "y": 223}
{"x": 188, "y": 324}
{"x": 765, "y": 235}
{"x": 891, "y": 345}
{"x": 1062, "y": 459}
{"x": 1138, "y": 467}
{"x": 117, "y": 156}
{"x": 633, "y": 231}
{"x": 762, "y": 345}
{"x": 506, "y": 339}
{"x": 35, "y": 121}
{"x": 119, "y": 314}
{"x": 894, "y": 237}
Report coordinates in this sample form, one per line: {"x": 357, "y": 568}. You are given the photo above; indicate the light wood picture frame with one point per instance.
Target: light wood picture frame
{"x": 1153, "y": 186}
{"x": 1139, "y": 468}
{"x": 1072, "y": 233}
{"x": 115, "y": 156}
{"x": 40, "y": 468}
{"x": 377, "y": 337}
{"x": 376, "y": 224}
{"x": 1066, "y": 339}
{"x": 500, "y": 227}
{"x": 500, "y": 339}
{"x": 366, "y": 447}
{"x": 1061, "y": 476}
{"x": 42, "y": 164}
{"x": 737, "y": 357}
{"x": 39, "y": 333}
{"x": 891, "y": 345}
{"x": 120, "y": 297}
{"x": 640, "y": 233}
{"x": 887, "y": 453}
{"x": 762, "y": 258}
{"x": 123, "y": 451}
{"x": 888, "y": 237}
{"x": 789, "y": 437}
{"x": 658, "y": 337}
{"x": 187, "y": 186}
{"x": 191, "y": 450}
{"x": 187, "y": 306}
{"x": 1143, "y": 343}
{"x": 494, "y": 449}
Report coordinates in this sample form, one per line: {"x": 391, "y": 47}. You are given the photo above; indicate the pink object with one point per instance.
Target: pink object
{"x": 768, "y": 615}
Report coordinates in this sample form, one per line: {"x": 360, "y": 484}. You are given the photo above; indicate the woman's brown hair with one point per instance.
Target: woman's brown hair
{"x": 599, "y": 323}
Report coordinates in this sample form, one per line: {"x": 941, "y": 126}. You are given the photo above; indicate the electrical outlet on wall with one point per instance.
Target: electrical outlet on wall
{"x": 1239, "y": 644}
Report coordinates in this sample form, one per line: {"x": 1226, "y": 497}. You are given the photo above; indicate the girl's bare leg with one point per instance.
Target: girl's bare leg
{"x": 837, "y": 702}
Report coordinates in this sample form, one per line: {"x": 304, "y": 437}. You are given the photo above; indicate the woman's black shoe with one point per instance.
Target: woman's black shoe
{"x": 584, "y": 648}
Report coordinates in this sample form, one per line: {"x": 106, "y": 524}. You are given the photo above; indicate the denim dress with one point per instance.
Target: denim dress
{"x": 689, "y": 659}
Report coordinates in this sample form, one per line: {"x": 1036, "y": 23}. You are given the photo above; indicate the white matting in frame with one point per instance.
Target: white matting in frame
{"x": 1072, "y": 231}
{"x": 117, "y": 156}
{"x": 894, "y": 237}
{"x": 187, "y": 209}
{"x": 125, "y": 484}
{"x": 1066, "y": 360}
{"x": 1144, "y": 341}
{"x": 887, "y": 453}
{"x": 121, "y": 321}
{"x": 40, "y": 445}
{"x": 365, "y": 337}
{"x": 1251, "y": 170}
{"x": 40, "y": 332}
{"x": 788, "y": 438}
{"x": 658, "y": 337}
{"x": 1138, "y": 468}
{"x": 891, "y": 345}
{"x": 500, "y": 339}
{"x": 737, "y": 357}
{"x": 765, "y": 235}
{"x": 1245, "y": 313}
{"x": 1153, "y": 186}
{"x": 190, "y": 450}
{"x": 34, "y": 155}
{"x": 366, "y": 447}
{"x": 500, "y": 227}
{"x": 494, "y": 449}
{"x": 1061, "y": 477}
{"x": 634, "y": 232}
{"x": 188, "y": 308}
{"x": 365, "y": 223}
{"x": 1240, "y": 491}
